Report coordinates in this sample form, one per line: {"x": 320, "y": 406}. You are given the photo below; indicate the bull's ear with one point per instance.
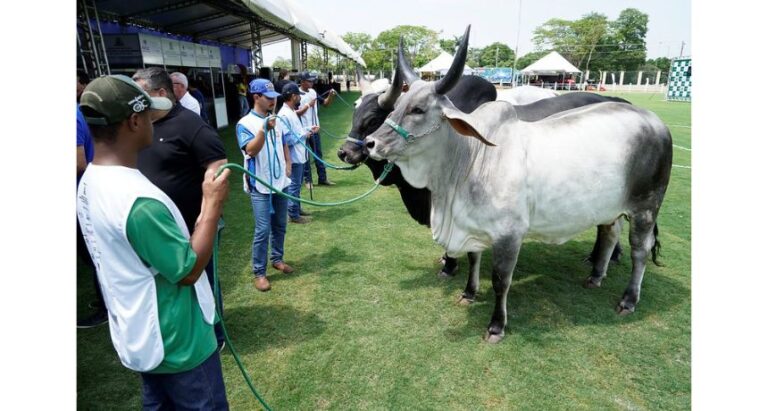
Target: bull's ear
{"x": 465, "y": 124}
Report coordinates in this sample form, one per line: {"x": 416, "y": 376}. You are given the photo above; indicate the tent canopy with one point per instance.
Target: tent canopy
{"x": 441, "y": 64}
{"x": 550, "y": 65}
{"x": 227, "y": 21}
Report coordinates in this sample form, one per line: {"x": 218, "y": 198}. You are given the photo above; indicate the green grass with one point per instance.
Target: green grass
{"x": 364, "y": 323}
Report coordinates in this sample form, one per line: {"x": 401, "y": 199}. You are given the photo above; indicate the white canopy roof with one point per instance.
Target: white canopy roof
{"x": 292, "y": 17}
{"x": 551, "y": 64}
{"x": 441, "y": 64}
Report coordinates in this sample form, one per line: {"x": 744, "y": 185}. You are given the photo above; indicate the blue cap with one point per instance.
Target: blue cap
{"x": 262, "y": 86}
{"x": 291, "y": 88}
{"x": 308, "y": 76}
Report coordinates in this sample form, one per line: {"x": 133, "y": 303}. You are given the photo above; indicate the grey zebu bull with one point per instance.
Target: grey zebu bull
{"x": 548, "y": 180}
{"x": 467, "y": 95}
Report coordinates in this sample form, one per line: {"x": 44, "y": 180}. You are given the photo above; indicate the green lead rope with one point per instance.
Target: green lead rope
{"x": 381, "y": 178}
{"x": 231, "y": 346}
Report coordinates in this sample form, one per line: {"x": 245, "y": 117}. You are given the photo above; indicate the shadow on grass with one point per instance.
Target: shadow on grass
{"x": 255, "y": 328}
{"x": 546, "y": 293}
{"x": 322, "y": 263}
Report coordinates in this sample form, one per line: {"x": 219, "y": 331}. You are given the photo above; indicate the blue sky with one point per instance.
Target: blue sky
{"x": 495, "y": 20}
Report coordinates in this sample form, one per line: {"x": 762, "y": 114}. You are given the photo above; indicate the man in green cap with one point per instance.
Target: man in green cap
{"x": 161, "y": 308}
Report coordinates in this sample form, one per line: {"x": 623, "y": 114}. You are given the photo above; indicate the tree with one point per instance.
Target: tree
{"x": 281, "y": 62}
{"x": 420, "y": 44}
{"x": 629, "y": 32}
{"x": 497, "y": 55}
{"x": 359, "y": 42}
{"x": 595, "y": 43}
{"x": 449, "y": 45}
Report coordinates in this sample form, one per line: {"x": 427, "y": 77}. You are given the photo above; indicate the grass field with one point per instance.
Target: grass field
{"x": 365, "y": 323}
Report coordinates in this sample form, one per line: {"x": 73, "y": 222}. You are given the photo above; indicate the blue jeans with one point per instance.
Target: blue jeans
{"x": 316, "y": 146}
{"x": 201, "y": 388}
{"x": 294, "y": 207}
{"x": 268, "y": 228}
{"x": 244, "y": 107}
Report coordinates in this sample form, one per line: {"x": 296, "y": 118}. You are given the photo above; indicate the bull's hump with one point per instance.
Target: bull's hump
{"x": 492, "y": 114}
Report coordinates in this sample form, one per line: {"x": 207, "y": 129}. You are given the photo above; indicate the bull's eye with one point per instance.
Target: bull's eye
{"x": 416, "y": 110}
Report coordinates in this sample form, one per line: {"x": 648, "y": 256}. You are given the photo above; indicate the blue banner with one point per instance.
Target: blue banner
{"x": 496, "y": 74}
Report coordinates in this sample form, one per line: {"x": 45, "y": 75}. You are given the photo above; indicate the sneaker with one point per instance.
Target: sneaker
{"x": 96, "y": 319}
{"x": 304, "y": 213}
{"x": 326, "y": 183}
{"x": 261, "y": 283}
{"x": 300, "y": 220}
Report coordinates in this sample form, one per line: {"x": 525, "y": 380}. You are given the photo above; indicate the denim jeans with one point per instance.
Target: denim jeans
{"x": 315, "y": 144}
{"x": 294, "y": 207}
{"x": 201, "y": 388}
{"x": 268, "y": 228}
{"x": 244, "y": 107}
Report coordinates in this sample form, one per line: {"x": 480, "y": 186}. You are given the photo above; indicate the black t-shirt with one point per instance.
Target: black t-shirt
{"x": 182, "y": 145}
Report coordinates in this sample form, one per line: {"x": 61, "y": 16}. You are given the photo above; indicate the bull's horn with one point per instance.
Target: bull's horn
{"x": 362, "y": 83}
{"x": 445, "y": 84}
{"x": 403, "y": 65}
{"x": 387, "y": 100}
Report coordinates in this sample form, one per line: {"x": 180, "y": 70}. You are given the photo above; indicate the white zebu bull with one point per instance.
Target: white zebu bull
{"x": 522, "y": 95}
{"x": 549, "y": 180}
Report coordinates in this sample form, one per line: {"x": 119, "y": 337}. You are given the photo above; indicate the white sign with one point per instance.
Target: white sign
{"x": 187, "y": 54}
{"x": 201, "y": 56}
{"x": 151, "y": 49}
{"x": 171, "y": 52}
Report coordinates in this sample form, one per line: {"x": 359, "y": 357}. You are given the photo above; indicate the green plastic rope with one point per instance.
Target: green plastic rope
{"x": 381, "y": 178}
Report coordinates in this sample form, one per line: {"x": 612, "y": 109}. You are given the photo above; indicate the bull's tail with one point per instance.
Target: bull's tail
{"x": 656, "y": 249}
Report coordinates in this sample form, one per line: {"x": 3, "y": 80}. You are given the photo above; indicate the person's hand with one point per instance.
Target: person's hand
{"x": 271, "y": 123}
{"x": 215, "y": 189}
{"x": 333, "y": 92}
{"x": 315, "y": 129}
{"x": 288, "y": 171}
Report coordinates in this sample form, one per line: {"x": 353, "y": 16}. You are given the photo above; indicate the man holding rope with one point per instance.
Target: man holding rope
{"x": 160, "y": 306}
{"x": 267, "y": 156}
{"x": 295, "y": 136}
{"x": 307, "y": 113}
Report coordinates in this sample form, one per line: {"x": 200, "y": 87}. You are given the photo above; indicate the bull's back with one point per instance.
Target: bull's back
{"x": 582, "y": 165}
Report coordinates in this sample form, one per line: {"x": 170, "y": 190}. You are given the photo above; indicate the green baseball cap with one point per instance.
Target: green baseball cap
{"x": 112, "y": 99}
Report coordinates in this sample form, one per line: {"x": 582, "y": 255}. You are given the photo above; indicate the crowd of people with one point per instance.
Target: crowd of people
{"x": 149, "y": 210}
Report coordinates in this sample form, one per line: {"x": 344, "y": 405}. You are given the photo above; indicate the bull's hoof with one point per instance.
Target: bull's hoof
{"x": 493, "y": 338}
{"x": 625, "y": 308}
{"x": 465, "y": 300}
{"x": 592, "y": 282}
{"x": 447, "y": 274}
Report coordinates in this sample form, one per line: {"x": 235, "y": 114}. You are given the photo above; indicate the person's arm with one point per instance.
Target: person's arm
{"x": 328, "y": 100}
{"x": 215, "y": 190}
{"x": 287, "y": 154}
{"x": 81, "y": 162}
{"x": 304, "y": 107}
{"x": 158, "y": 240}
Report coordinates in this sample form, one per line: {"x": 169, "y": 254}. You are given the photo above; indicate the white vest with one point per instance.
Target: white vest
{"x": 266, "y": 156}
{"x": 104, "y": 200}
{"x": 298, "y": 151}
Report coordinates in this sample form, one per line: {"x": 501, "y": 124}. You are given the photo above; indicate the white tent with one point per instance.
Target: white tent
{"x": 441, "y": 64}
{"x": 550, "y": 65}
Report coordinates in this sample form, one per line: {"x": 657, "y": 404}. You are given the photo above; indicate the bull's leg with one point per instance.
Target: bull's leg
{"x": 617, "y": 251}
{"x": 641, "y": 240}
{"x": 449, "y": 268}
{"x": 505, "y": 254}
{"x": 468, "y": 296}
{"x": 607, "y": 238}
